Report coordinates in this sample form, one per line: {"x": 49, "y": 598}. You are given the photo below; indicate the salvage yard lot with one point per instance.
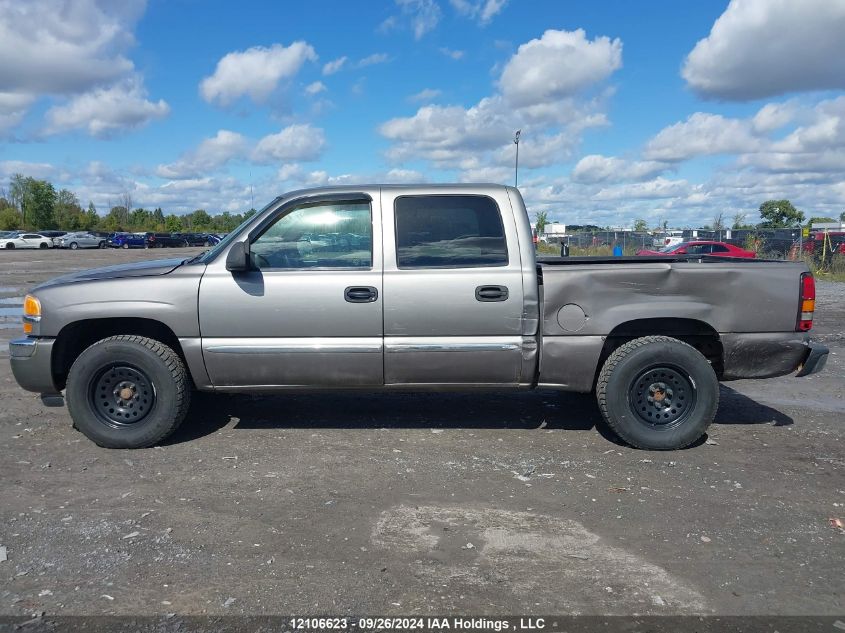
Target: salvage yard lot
{"x": 423, "y": 503}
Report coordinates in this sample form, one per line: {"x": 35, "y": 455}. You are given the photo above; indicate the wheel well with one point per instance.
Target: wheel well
{"x": 75, "y": 337}
{"x": 698, "y": 334}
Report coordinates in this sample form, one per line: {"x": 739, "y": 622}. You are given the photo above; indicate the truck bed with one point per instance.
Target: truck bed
{"x": 748, "y": 307}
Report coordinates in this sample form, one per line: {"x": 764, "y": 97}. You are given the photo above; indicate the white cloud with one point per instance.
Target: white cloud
{"x": 551, "y": 119}
{"x": 448, "y": 52}
{"x": 295, "y": 142}
{"x": 375, "y": 58}
{"x": 774, "y": 116}
{"x": 657, "y": 188}
{"x": 424, "y": 15}
{"x": 71, "y": 49}
{"x": 482, "y": 10}
{"x": 37, "y": 170}
{"x": 330, "y": 68}
{"x": 13, "y": 108}
{"x": 211, "y": 154}
{"x": 425, "y": 95}
{"x": 104, "y": 112}
{"x": 315, "y": 88}
{"x": 597, "y": 168}
{"x": 702, "y": 134}
{"x": 56, "y": 47}
{"x": 761, "y": 48}
{"x": 558, "y": 65}
{"x": 825, "y": 130}
{"x": 255, "y": 72}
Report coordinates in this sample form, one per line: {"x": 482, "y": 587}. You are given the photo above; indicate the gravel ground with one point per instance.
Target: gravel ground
{"x": 428, "y": 504}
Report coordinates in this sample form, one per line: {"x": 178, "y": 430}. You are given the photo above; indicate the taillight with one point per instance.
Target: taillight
{"x": 807, "y": 303}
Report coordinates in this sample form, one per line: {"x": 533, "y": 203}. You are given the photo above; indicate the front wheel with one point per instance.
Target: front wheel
{"x": 43, "y": 245}
{"x": 658, "y": 393}
{"x": 125, "y": 245}
{"x": 128, "y": 392}
{"x": 74, "y": 246}
{"x": 101, "y": 245}
{"x": 10, "y": 246}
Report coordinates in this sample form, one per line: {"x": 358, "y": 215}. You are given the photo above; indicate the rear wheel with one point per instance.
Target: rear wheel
{"x": 658, "y": 393}
{"x": 128, "y": 392}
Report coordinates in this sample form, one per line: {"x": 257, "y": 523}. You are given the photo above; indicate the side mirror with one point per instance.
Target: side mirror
{"x": 237, "y": 260}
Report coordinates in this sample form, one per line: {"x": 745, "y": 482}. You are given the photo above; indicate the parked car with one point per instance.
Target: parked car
{"x": 25, "y": 240}
{"x": 668, "y": 238}
{"x": 447, "y": 297}
{"x": 196, "y": 239}
{"x": 128, "y": 240}
{"x": 80, "y": 240}
{"x": 720, "y": 249}
{"x": 53, "y": 235}
{"x": 162, "y": 240}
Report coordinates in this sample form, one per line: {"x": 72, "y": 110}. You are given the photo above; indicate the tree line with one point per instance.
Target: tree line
{"x": 31, "y": 204}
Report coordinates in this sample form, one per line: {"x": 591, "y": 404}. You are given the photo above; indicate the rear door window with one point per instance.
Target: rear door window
{"x": 451, "y": 231}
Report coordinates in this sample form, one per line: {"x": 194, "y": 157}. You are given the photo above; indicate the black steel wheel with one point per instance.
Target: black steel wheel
{"x": 121, "y": 395}
{"x": 662, "y": 396}
{"x": 128, "y": 392}
{"x": 658, "y": 393}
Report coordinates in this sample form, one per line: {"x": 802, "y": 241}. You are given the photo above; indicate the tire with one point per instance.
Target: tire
{"x": 120, "y": 378}
{"x": 74, "y": 246}
{"x": 207, "y": 244}
{"x": 657, "y": 393}
{"x": 10, "y": 246}
{"x": 125, "y": 245}
{"x": 43, "y": 245}
{"x": 101, "y": 245}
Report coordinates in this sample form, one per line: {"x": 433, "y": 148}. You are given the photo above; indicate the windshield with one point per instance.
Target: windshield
{"x": 207, "y": 256}
{"x": 673, "y": 247}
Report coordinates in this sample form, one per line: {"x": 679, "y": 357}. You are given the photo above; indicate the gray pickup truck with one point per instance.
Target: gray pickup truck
{"x": 430, "y": 287}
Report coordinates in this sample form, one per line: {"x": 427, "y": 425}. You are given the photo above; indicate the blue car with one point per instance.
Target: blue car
{"x": 127, "y": 240}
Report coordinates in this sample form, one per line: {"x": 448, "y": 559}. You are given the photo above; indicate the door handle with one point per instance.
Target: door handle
{"x": 491, "y": 293}
{"x": 360, "y": 294}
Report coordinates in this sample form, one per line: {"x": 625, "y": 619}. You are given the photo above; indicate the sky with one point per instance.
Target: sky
{"x": 661, "y": 110}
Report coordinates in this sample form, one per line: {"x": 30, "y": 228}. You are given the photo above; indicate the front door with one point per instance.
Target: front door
{"x": 453, "y": 296}
{"x": 310, "y": 312}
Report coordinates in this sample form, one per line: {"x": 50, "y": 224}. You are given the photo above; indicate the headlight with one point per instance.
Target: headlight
{"x": 31, "y": 313}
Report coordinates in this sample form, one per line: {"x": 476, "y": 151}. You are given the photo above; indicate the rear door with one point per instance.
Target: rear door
{"x": 453, "y": 296}
{"x": 310, "y": 313}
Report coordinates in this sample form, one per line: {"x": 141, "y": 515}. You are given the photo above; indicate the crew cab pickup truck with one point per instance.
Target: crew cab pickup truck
{"x": 430, "y": 287}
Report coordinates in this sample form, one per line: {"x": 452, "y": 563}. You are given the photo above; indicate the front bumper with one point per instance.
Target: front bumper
{"x": 770, "y": 354}
{"x": 31, "y": 360}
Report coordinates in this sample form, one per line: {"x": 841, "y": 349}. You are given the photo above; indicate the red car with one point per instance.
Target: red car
{"x": 720, "y": 249}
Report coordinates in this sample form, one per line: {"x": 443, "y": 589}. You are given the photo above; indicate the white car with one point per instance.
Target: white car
{"x": 25, "y": 240}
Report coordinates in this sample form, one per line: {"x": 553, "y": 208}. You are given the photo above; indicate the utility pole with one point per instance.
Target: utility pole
{"x": 516, "y": 164}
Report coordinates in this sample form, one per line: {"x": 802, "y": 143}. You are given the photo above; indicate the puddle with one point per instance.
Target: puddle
{"x": 13, "y": 301}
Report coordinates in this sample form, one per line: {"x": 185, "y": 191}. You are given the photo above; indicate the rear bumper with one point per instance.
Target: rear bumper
{"x": 815, "y": 360}
{"x": 31, "y": 360}
{"x": 770, "y": 354}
